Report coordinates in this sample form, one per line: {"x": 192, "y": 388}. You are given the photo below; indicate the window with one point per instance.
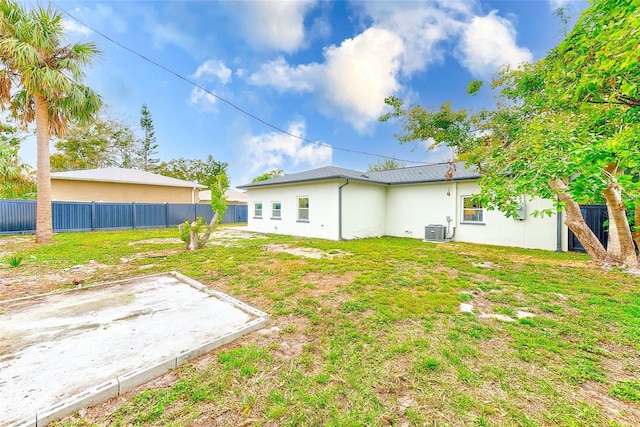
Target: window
{"x": 303, "y": 208}
{"x": 472, "y": 210}
{"x": 257, "y": 210}
{"x": 276, "y": 210}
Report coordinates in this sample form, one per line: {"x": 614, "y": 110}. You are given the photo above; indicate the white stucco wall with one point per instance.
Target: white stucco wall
{"x": 410, "y": 208}
{"x": 538, "y": 233}
{"x": 399, "y": 210}
{"x": 363, "y": 210}
{"x": 323, "y": 209}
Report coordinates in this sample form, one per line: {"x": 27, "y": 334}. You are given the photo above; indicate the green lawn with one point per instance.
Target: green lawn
{"x": 372, "y": 333}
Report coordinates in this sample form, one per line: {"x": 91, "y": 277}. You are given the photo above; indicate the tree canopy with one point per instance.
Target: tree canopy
{"x": 268, "y": 175}
{"x": 204, "y": 172}
{"x": 386, "y": 164}
{"x": 106, "y": 142}
{"x": 16, "y": 177}
{"x": 564, "y": 128}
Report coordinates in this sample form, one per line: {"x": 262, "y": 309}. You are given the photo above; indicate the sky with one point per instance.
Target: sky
{"x": 317, "y": 69}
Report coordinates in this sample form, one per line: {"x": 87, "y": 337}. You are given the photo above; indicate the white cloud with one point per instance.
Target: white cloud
{"x": 71, "y": 26}
{"x": 403, "y": 38}
{"x": 212, "y": 69}
{"x": 352, "y": 83}
{"x": 423, "y": 27}
{"x": 555, "y": 4}
{"x": 277, "y": 25}
{"x": 114, "y": 19}
{"x": 488, "y": 43}
{"x": 209, "y": 71}
{"x": 203, "y": 100}
{"x": 360, "y": 73}
{"x": 276, "y": 150}
{"x": 279, "y": 74}
{"x": 170, "y": 33}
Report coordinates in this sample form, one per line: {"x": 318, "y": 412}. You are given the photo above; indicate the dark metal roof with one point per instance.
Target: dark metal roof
{"x": 411, "y": 175}
{"x": 427, "y": 173}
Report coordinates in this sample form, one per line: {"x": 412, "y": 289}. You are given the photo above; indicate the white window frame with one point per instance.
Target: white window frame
{"x": 276, "y": 213}
{"x": 472, "y": 211}
{"x": 302, "y": 210}
{"x": 255, "y": 210}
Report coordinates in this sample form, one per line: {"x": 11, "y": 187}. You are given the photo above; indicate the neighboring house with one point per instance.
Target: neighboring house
{"x": 233, "y": 197}
{"x": 121, "y": 185}
{"x": 336, "y": 203}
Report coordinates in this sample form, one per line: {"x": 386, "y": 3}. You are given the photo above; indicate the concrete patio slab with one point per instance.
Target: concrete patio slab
{"x": 61, "y": 352}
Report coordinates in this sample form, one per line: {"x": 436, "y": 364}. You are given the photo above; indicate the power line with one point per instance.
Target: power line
{"x": 231, "y": 104}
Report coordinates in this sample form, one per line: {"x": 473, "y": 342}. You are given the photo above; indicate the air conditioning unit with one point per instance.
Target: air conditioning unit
{"x": 435, "y": 233}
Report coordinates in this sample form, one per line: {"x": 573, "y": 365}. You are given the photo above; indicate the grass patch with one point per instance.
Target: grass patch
{"x": 628, "y": 389}
{"x": 375, "y": 336}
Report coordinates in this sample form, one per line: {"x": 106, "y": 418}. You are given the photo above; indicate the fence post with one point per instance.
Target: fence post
{"x": 166, "y": 214}
{"x": 93, "y": 216}
{"x": 133, "y": 215}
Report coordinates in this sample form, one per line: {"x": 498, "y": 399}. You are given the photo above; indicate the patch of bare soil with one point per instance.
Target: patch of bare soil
{"x": 157, "y": 241}
{"x": 11, "y": 244}
{"x": 22, "y": 282}
{"x": 305, "y": 252}
{"x": 153, "y": 254}
{"x": 620, "y": 412}
{"x": 327, "y": 283}
{"x": 452, "y": 273}
{"x": 485, "y": 308}
{"x": 234, "y": 233}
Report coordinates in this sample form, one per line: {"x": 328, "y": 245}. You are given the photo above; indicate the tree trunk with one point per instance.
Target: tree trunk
{"x": 613, "y": 240}
{"x": 192, "y": 244}
{"x": 575, "y": 221}
{"x": 636, "y": 224}
{"x": 618, "y": 221}
{"x": 44, "y": 227}
{"x": 207, "y": 233}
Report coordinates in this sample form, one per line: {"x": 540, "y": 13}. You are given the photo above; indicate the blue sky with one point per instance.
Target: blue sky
{"x": 318, "y": 69}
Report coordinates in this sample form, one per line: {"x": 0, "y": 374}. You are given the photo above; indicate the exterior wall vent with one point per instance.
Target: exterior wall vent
{"x": 435, "y": 233}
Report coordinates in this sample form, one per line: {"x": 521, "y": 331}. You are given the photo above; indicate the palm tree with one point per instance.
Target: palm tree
{"x": 40, "y": 80}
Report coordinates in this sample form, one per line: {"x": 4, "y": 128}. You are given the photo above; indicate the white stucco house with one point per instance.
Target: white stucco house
{"x": 417, "y": 202}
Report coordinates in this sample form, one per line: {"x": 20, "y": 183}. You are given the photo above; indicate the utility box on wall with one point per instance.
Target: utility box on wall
{"x": 521, "y": 211}
{"x": 435, "y": 233}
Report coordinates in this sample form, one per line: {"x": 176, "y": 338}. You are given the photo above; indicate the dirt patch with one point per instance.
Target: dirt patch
{"x": 154, "y": 254}
{"x": 24, "y": 281}
{"x": 171, "y": 240}
{"x": 327, "y": 283}
{"x": 305, "y": 252}
{"x": 486, "y": 309}
{"x": 623, "y": 413}
{"x": 235, "y": 233}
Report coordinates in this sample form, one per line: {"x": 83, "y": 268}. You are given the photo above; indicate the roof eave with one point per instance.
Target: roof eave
{"x": 69, "y": 178}
{"x": 298, "y": 181}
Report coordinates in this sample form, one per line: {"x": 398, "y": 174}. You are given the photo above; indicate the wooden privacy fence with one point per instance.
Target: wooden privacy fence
{"x": 19, "y": 216}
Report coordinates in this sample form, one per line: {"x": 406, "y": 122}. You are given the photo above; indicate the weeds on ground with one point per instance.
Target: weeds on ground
{"x": 376, "y": 336}
{"x": 14, "y": 261}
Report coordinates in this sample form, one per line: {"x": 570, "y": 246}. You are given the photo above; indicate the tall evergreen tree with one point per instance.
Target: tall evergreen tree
{"x": 149, "y": 147}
